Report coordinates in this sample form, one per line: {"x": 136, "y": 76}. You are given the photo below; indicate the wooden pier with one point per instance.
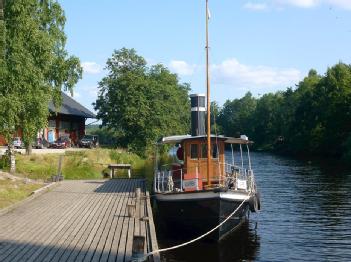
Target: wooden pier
{"x": 79, "y": 221}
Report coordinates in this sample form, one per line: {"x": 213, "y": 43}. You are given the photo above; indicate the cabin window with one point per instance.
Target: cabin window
{"x": 194, "y": 151}
{"x": 203, "y": 150}
{"x": 214, "y": 151}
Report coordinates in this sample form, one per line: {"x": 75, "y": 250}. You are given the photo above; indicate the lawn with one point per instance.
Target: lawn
{"x": 85, "y": 164}
{"x": 14, "y": 191}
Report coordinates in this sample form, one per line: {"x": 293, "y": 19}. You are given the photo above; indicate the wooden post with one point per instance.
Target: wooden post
{"x": 12, "y": 163}
{"x": 59, "y": 170}
{"x": 131, "y": 208}
{"x": 137, "y": 193}
{"x": 138, "y": 249}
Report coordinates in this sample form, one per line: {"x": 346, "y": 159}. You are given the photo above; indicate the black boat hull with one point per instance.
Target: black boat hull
{"x": 186, "y": 215}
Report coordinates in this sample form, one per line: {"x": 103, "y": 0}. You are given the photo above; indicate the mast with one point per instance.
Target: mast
{"x": 208, "y": 101}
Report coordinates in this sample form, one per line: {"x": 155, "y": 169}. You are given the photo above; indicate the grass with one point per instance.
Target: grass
{"x": 14, "y": 191}
{"x": 85, "y": 164}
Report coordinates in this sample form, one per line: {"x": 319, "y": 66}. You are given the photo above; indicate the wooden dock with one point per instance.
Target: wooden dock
{"x": 79, "y": 221}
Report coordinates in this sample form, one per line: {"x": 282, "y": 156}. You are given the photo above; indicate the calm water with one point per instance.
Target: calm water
{"x": 306, "y": 216}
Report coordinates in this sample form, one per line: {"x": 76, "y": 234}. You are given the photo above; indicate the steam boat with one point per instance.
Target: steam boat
{"x": 210, "y": 182}
{"x": 189, "y": 201}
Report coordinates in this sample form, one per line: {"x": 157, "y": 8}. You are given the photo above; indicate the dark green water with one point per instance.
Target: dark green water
{"x": 306, "y": 216}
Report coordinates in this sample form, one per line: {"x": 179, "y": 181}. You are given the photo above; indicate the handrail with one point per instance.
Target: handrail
{"x": 233, "y": 176}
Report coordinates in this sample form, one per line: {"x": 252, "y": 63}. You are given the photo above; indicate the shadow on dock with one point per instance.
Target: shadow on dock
{"x": 15, "y": 251}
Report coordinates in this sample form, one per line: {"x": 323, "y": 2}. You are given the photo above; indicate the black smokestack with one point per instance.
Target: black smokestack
{"x": 198, "y": 113}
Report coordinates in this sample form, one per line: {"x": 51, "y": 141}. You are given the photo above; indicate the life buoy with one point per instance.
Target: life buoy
{"x": 258, "y": 197}
{"x": 255, "y": 203}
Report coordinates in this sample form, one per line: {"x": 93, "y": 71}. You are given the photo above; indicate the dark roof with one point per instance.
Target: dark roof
{"x": 70, "y": 106}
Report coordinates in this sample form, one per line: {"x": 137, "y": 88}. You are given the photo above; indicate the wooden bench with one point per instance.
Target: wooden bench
{"x": 113, "y": 167}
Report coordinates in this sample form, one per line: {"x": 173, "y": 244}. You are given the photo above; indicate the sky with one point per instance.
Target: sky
{"x": 257, "y": 46}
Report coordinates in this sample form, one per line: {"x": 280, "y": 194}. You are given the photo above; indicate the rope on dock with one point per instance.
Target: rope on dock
{"x": 200, "y": 237}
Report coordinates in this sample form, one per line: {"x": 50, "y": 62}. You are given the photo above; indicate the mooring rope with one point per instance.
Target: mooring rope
{"x": 200, "y": 237}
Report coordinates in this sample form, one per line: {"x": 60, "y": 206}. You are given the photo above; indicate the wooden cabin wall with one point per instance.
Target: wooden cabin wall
{"x": 217, "y": 165}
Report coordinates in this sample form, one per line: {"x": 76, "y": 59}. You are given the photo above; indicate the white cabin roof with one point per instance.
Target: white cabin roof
{"x": 181, "y": 138}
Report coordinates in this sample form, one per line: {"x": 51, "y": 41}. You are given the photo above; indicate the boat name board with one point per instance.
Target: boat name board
{"x": 241, "y": 184}
{"x": 190, "y": 184}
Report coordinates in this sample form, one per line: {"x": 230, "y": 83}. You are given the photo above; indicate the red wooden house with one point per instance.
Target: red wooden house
{"x": 67, "y": 120}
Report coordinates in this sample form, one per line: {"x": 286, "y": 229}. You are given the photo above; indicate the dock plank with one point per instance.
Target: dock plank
{"x": 77, "y": 221}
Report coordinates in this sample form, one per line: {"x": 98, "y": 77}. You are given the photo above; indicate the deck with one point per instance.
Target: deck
{"x": 78, "y": 221}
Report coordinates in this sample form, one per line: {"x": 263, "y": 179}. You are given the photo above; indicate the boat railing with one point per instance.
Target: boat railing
{"x": 170, "y": 179}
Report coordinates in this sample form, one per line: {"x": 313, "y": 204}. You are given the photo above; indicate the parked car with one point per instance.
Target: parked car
{"x": 61, "y": 142}
{"x": 89, "y": 141}
{"x": 40, "y": 143}
{"x": 17, "y": 142}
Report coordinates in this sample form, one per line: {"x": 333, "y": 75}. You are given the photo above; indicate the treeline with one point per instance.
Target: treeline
{"x": 312, "y": 118}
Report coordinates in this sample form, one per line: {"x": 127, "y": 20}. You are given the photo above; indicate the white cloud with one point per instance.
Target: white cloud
{"x": 232, "y": 73}
{"x": 299, "y": 3}
{"x": 255, "y": 6}
{"x": 91, "y": 68}
{"x": 344, "y": 4}
{"x": 182, "y": 68}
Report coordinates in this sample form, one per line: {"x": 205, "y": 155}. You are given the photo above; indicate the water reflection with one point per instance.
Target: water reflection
{"x": 242, "y": 245}
{"x": 306, "y": 216}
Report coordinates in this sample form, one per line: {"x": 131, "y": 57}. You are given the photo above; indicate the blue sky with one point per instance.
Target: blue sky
{"x": 258, "y": 46}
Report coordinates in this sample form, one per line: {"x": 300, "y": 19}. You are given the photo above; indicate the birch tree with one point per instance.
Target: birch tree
{"x": 35, "y": 65}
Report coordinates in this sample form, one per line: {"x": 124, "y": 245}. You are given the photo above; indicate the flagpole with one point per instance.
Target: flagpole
{"x": 208, "y": 102}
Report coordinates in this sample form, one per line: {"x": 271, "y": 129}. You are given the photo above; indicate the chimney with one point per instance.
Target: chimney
{"x": 198, "y": 112}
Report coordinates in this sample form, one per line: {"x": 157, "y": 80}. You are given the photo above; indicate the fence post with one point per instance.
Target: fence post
{"x": 197, "y": 178}
{"x": 138, "y": 249}
{"x": 181, "y": 180}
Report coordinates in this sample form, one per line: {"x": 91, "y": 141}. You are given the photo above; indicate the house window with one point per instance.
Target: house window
{"x": 52, "y": 123}
{"x": 65, "y": 125}
{"x": 194, "y": 151}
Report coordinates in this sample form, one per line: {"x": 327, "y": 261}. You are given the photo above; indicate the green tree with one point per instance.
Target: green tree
{"x": 36, "y": 66}
{"x": 216, "y": 128}
{"x": 333, "y": 99}
{"x": 236, "y": 116}
{"x": 266, "y": 120}
{"x": 141, "y": 103}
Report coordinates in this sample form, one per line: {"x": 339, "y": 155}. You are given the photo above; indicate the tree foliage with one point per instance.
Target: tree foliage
{"x": 35, "y": 65}
{"x": 314, "y": 118}
{"x": 141, "y": 103}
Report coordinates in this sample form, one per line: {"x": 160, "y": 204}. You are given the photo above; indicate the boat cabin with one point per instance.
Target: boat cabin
{"x": 188, "y": 171}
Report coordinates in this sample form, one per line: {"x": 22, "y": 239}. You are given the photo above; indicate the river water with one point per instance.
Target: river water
{"x": 305, "y": 216}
